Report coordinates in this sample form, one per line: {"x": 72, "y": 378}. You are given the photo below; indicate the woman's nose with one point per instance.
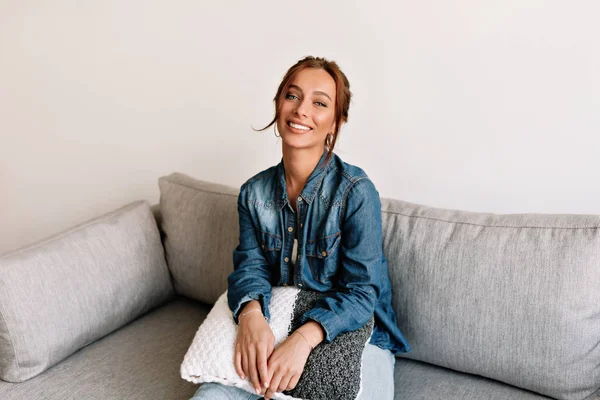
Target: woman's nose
{"x": 301, "y": 109}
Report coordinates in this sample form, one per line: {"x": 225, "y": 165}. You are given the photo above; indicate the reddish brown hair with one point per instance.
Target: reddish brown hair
{"x": 342, "y": 91}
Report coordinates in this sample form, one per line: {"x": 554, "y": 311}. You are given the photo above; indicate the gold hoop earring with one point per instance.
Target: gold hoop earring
{"x": 328, "y": 140}
{"x": 275, "y": 131}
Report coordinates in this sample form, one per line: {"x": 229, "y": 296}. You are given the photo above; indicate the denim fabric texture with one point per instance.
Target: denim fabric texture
{"x": 340, "y": 251}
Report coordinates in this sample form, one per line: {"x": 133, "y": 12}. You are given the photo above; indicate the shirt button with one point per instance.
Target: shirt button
{"x": 301, "y": 224}
{"x": 300, "y": 285}
{"x": 290, "y": 229}
{"x": 299, "y": 199}
{"x": 263, "y": 246}
{"x": 286, "y": 259}
{"x": 323, "y": 253}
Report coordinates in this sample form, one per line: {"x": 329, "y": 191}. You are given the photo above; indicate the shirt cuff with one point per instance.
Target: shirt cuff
{"x": 331, "y": 323}
{"x": 251, "y": 296}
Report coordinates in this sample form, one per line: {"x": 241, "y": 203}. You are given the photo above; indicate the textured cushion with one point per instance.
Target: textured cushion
{"x": 415, "y": 380}
{"x": 200, "y": 227}
{"x": 140, "y": 361}
{"x": 332, "y": 371}
{"x": 510, "y": 297}
{"x": 61, "y": 294}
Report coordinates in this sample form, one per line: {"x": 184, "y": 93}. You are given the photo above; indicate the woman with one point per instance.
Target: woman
{"x": 312, "y": 221}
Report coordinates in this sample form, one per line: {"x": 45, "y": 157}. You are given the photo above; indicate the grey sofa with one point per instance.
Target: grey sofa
{"x": 494, "y": 306}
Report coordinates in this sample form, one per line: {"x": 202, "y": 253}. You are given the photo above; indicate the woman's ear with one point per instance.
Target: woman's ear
{"x": 332, "y": 129}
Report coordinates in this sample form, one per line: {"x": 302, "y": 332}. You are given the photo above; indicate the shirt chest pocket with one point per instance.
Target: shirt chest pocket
{"x": 271, "y": 247}
{"x": 323, "y": 255}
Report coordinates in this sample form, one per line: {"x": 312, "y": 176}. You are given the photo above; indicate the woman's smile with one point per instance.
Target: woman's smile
{"x": 307, "y": 111}
{"x": 296, "y": 127}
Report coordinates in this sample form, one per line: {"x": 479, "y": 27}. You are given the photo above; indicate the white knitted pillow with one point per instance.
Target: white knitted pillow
{"x": 210, "y": 356}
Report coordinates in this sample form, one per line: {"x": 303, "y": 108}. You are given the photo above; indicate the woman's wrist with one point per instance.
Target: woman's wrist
{"x": 252, "y": 307}
{"x": 312, "y": 332}
{"x": 243, "y": 314}
{"x": 311, "y": 347}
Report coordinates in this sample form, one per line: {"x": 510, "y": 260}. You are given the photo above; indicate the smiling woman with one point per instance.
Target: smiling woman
{"x": 317, "y": 88}
{"x": 306, "y": 115}
{"x": 312, "y": 222}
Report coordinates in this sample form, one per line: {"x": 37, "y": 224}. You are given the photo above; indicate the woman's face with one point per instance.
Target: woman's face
{"x": 307, "y": 112}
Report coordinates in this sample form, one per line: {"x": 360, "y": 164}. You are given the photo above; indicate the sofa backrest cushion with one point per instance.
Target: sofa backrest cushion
{"x": 511, "y": 297}
{"x": 69, "y": 290}
{"x": 199, "y": 223}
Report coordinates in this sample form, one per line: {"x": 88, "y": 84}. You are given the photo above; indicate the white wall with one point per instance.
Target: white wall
{"x": 476, "y": 105}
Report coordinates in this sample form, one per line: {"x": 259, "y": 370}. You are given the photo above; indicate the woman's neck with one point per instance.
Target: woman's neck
{"x": 298, "y": 165}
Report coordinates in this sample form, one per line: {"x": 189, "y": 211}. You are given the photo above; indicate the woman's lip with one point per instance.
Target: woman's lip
{"x": 296, "y": 130}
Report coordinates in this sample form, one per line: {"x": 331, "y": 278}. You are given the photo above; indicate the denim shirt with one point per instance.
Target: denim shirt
{"x": 339, "y": 249}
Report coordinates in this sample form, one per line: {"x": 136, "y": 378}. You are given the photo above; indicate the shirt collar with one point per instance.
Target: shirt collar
{"x": 310, "y": 188}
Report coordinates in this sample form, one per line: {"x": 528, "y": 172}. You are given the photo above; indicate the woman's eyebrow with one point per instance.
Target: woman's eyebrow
{"x": 315, "y": 92}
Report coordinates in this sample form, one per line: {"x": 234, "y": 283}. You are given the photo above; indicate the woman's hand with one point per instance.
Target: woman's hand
{"x": 253, "y": 346}
{"x": 287, "y": 362}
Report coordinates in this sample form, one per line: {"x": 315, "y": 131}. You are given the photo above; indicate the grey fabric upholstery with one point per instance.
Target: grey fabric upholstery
{"x": 415, "y": 380}
{"x": 200, "y": 227}
{"x": 67, "y": 291}
{"x": 511, "y": 297}
{"x": 138, "y": 362}
{"x": 517, "y": 291}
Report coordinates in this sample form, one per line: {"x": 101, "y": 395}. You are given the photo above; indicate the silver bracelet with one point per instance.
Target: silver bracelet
{"x": 248, "y": 312}
{"x": 307, "y": 342}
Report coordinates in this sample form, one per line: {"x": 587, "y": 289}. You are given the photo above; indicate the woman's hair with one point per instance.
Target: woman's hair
{"x": 342, "y": 92}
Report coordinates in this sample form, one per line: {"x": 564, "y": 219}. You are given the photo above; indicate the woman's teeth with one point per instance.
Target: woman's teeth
{"x": 301, "y": 127}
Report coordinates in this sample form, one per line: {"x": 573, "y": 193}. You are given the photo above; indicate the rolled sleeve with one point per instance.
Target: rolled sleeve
{"x": 251, "y": 277}
{"x": 329, "y": 320}
{"x": 353, "y": 300}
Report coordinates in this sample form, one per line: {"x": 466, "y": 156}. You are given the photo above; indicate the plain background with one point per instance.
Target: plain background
{"x": 475, "y": 105}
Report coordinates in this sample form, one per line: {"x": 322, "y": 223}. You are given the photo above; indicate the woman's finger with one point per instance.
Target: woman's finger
{"x": 274, "y": 384}
{"x": 252, "y": 371}
{"x": 270, "y": 346}
{"x": 283, "y": 384}
{"x": 237, "y": 362}
{"x": 244, "y": 363}
{"x": 261, "y": 361}
{"x": 293, "y": 382}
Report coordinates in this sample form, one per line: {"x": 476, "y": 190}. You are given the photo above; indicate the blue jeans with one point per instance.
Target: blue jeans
{"x": 378, "y": 380}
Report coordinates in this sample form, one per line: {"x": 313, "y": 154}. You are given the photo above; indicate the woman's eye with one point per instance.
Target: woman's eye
{"x": 290, "y": 96}
{"x": 320, "y": 104}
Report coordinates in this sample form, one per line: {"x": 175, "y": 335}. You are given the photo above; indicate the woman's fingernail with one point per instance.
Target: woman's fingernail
{"x": 257, "y": 390}
{"x": 243, "y": 376}
{"x": 266, "y": 385}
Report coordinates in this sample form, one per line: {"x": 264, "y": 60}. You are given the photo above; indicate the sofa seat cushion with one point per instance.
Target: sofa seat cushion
{"x": 415, "y": 380}
{"x": 139, "y": 361}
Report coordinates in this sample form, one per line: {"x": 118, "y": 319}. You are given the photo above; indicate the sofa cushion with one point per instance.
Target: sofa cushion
{"x": 415, "y": 380}
{"x": 199, "y": 222}
{"x": 511, "y": 297}
{"x": 139, "y": 361}
{"x": 67, "y": 291}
